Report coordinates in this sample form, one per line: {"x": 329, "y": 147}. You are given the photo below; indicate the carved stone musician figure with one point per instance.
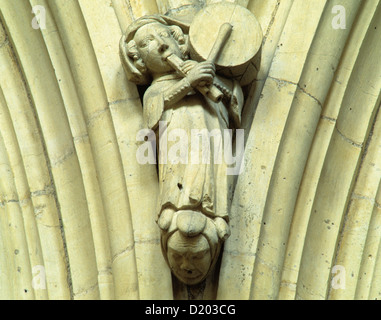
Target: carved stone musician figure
{"x": 185, "y": 96}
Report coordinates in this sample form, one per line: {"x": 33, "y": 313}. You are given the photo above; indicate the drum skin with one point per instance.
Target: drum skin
{"x": 239, "y": 54}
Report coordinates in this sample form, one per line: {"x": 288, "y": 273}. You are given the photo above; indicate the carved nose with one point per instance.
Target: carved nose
{"x": 162, "y": 47}
{"x": 186, "y": 266}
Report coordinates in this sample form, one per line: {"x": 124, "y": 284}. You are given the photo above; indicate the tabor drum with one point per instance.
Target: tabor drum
{"x": 238, "y": 54}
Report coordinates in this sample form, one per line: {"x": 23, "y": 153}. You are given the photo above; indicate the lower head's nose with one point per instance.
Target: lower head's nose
{"x": 186, "y": 266}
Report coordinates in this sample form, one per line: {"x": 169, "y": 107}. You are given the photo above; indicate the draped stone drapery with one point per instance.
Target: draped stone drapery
{"x": 77, "y": 212}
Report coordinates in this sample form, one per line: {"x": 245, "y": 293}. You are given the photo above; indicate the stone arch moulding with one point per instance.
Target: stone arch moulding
{"x": 78, "y": 212}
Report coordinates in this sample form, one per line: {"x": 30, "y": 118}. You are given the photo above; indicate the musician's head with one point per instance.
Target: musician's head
{"x": 146, "y": 44}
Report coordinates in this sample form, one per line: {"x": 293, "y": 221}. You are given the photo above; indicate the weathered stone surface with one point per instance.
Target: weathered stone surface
{"x": 78, "y": 211}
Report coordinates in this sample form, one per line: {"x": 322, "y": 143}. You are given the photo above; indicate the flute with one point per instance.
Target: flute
{"x": 211, "y": 91}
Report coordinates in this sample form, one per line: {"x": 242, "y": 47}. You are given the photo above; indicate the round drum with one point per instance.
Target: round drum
{"x": 236, "y": 59}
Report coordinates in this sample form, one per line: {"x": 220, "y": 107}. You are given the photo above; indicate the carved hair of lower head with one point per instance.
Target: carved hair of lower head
{"x": 191, "y": 224}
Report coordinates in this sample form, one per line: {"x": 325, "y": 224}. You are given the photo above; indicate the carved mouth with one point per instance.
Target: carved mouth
{"x": 189, "y": 274}
{"x": 165, "y": 55}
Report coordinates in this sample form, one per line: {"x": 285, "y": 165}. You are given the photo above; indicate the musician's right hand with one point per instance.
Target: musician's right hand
{"x": 201, "y": 73}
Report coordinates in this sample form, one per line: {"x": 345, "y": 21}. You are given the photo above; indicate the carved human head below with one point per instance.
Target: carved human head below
{"x": 191, "y": 245}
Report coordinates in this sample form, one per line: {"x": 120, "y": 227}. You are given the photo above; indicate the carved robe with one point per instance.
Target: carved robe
{"x": 199, "y": 186}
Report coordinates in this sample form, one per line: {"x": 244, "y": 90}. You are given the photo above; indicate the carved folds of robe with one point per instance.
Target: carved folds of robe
{"x": 200, "y": 185}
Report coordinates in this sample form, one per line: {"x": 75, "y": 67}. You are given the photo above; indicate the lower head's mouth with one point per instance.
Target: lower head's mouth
{"x": 190, "y": 275}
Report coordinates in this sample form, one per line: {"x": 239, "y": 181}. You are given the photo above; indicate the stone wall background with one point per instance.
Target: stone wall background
{"x": 77, "y": 211}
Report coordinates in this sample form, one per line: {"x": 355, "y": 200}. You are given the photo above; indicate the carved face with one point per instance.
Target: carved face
{"x": 155, "y": 42}
{"x": 189, "y": 258}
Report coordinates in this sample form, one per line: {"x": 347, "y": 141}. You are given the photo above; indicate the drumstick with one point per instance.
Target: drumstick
{"x": 223, "y": 34}
{"x": 212, "y": 92}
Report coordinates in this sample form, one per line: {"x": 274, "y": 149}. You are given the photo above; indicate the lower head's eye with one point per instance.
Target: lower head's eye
{"x": 176, "y": 256}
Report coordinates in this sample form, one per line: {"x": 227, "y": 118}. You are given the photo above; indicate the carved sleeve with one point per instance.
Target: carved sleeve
{"x": 223, "y": 87}
{"x": 176, "y": 92}
{"x": 234, "y": 98}
{"x": 162, "y": 96}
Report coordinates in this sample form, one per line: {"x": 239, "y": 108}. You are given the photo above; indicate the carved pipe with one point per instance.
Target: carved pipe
{"x": 211, "y": 91}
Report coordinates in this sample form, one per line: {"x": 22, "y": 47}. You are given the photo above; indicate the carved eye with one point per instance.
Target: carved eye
{"x": 198, "y": 256}
{"x": 165, "y": 34}
{"x": 176, "y": 256}
{"x": 144, "y": 43}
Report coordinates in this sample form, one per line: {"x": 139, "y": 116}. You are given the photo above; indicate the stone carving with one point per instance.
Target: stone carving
{"x": 77, "y": 212}
{"x": 192, "y": 245}
{"x": 241, "y": 52}
{"x": 188, "y": 98}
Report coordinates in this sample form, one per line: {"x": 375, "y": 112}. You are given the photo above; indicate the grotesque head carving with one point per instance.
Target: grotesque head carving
{"x": 192, "y": 243}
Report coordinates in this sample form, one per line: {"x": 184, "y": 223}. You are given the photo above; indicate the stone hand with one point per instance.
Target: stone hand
{"x": 188, "y": 65}
{"x": 201, "y": 73}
